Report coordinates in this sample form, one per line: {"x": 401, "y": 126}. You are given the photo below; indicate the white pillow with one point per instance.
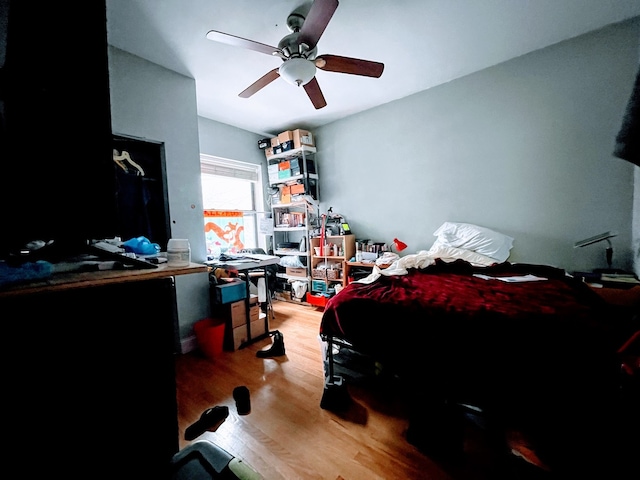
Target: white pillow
{"x": 477, "y": 239}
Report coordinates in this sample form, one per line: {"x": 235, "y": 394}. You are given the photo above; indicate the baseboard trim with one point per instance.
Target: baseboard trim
{"x": 188, "y": 344}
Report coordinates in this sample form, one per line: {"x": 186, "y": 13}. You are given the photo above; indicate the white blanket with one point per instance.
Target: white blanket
{"x": 424, "y": 258}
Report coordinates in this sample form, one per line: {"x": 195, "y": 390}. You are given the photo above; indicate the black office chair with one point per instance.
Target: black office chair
{"x": 270, "y": 280}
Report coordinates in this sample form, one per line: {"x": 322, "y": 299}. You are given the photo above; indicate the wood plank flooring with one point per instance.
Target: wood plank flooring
{"x": 288, "y": 436}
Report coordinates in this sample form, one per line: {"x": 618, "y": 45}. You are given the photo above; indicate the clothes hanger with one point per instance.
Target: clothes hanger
{"x": 125, "y": 156}
{"x": 118, "y": 160}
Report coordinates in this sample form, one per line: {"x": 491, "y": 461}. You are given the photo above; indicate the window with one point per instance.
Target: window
{"x": 232, "y": 199}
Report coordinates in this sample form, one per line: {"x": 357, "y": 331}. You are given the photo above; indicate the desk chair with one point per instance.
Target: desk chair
{"x": 255, "y": 275}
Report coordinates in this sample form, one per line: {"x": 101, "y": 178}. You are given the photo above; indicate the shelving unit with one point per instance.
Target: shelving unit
{"x": 294, "y": 211}
{"x": 324, "y": 278}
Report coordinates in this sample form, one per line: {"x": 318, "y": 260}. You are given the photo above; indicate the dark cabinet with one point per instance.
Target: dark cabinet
{"x": 89, "y": 380}
{"x": 55, "y": 124}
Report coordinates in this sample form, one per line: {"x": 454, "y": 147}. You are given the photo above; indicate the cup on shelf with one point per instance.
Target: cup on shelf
{"x": 317, "y": 251}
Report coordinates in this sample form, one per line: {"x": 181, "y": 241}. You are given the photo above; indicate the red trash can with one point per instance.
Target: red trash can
{"x": 210, "y": 336}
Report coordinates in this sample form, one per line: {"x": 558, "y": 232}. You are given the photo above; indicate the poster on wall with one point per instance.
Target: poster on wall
{"x": 224, "y": 231}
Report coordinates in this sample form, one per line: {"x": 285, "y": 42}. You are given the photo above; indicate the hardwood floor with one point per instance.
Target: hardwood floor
{"x": 287, "y": 435}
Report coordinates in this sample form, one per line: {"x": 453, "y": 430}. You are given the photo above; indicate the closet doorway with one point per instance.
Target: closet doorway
{"x": 141, "y": 189}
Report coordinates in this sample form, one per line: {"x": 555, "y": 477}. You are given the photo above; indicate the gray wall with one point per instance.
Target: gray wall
{"x": 523, "y": 148}
{"x": 151, "y": 102}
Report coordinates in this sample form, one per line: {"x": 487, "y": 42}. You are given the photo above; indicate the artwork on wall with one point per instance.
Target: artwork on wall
{"x": 224, "y": 231}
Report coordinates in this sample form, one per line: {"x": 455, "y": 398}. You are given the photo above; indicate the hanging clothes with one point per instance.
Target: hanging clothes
{"x": 628, "y": 139}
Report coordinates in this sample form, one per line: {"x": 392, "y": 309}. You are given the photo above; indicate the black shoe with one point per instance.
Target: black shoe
{"x": 243, "y": 400}
{"x": 276, "y": 349}
{"x": 210, "y": 420}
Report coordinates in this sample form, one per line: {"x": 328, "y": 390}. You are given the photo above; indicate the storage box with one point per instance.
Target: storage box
{"x": 268, "y": 152}
{"x": 275, "y": 142}
{"x": 296, "y": 271}
{"x": 319, "y": 273}
{"x": 239, "y": 334}
{"x": 285, "y": 165}
{"x": 286, "y": 146}
{"x": 318, "y": 286}
{"x": 228, "y": 290}
{"x": 285, "y": 194}
{"x": 317, "y": 300}
{"x": 264, "y": 143}
{"x": 282, "y": 174}
{"x": 233, "y": 314}
{"x": 334, "y": 273}
{"x": 297, "y": 189}
{"x": 237, "y": 313}
{"x": 302, "y": 137}
{"x": 285, "y": 136}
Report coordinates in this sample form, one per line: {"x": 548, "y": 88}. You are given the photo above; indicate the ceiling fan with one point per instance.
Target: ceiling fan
{"x": 299, "y": 53}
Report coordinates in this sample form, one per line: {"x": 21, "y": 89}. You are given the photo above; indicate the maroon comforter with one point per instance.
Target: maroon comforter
{"x": 484, "y": 341}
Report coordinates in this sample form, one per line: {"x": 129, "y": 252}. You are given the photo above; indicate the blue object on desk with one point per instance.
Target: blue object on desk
{"x": 141, "y": 246}
{"x": 25, "y": 272}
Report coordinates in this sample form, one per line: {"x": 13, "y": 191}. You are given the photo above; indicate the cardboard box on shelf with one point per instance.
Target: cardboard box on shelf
{"x": 275, "y": 141}
{"x": 285, "y": 136}
{"x": 285, "y": 194}
{"x": 284, "y": 174}
{"x": 297, "y": 188}
{"x": 268, "y": 152}
{"x": 296, "y": 271}
{"x": 302, "y": 137}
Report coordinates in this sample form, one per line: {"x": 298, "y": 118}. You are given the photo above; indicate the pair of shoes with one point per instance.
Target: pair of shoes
{"x": 276, "y": 349}
{"x": 210, "y": 420}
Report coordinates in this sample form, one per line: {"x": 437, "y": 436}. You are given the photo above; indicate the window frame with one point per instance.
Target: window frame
{"x": 251, "y": 172}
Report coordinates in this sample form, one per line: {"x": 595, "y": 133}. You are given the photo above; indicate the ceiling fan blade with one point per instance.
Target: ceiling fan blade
{"x": 316, "y": 21}
{"x": 262, "y": 82}
{"x": 242, "y": 42}
{"x": 315, "y": 94}
{"x": 353, "y": 66}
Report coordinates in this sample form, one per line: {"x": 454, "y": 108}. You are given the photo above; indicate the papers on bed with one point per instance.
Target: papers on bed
{"x": 513, "y": 279}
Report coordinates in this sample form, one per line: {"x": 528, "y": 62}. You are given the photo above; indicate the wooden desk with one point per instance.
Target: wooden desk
{"x": 67, "y": 281}
{"x": 88, "y": 372}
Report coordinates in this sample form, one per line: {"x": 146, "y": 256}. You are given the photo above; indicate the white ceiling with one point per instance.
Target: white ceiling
{"x": 423, "y": 43}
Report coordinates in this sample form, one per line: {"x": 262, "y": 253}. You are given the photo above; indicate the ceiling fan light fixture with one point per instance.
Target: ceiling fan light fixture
{"x": 297, "y": 71}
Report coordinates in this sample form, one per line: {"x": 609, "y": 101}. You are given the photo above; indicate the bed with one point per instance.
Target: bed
{"x": 527, "y": 345}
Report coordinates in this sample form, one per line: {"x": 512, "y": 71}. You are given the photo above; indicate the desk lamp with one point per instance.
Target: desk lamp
{"x": 399, "y": 244}
{"x": 599, "y": 238}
